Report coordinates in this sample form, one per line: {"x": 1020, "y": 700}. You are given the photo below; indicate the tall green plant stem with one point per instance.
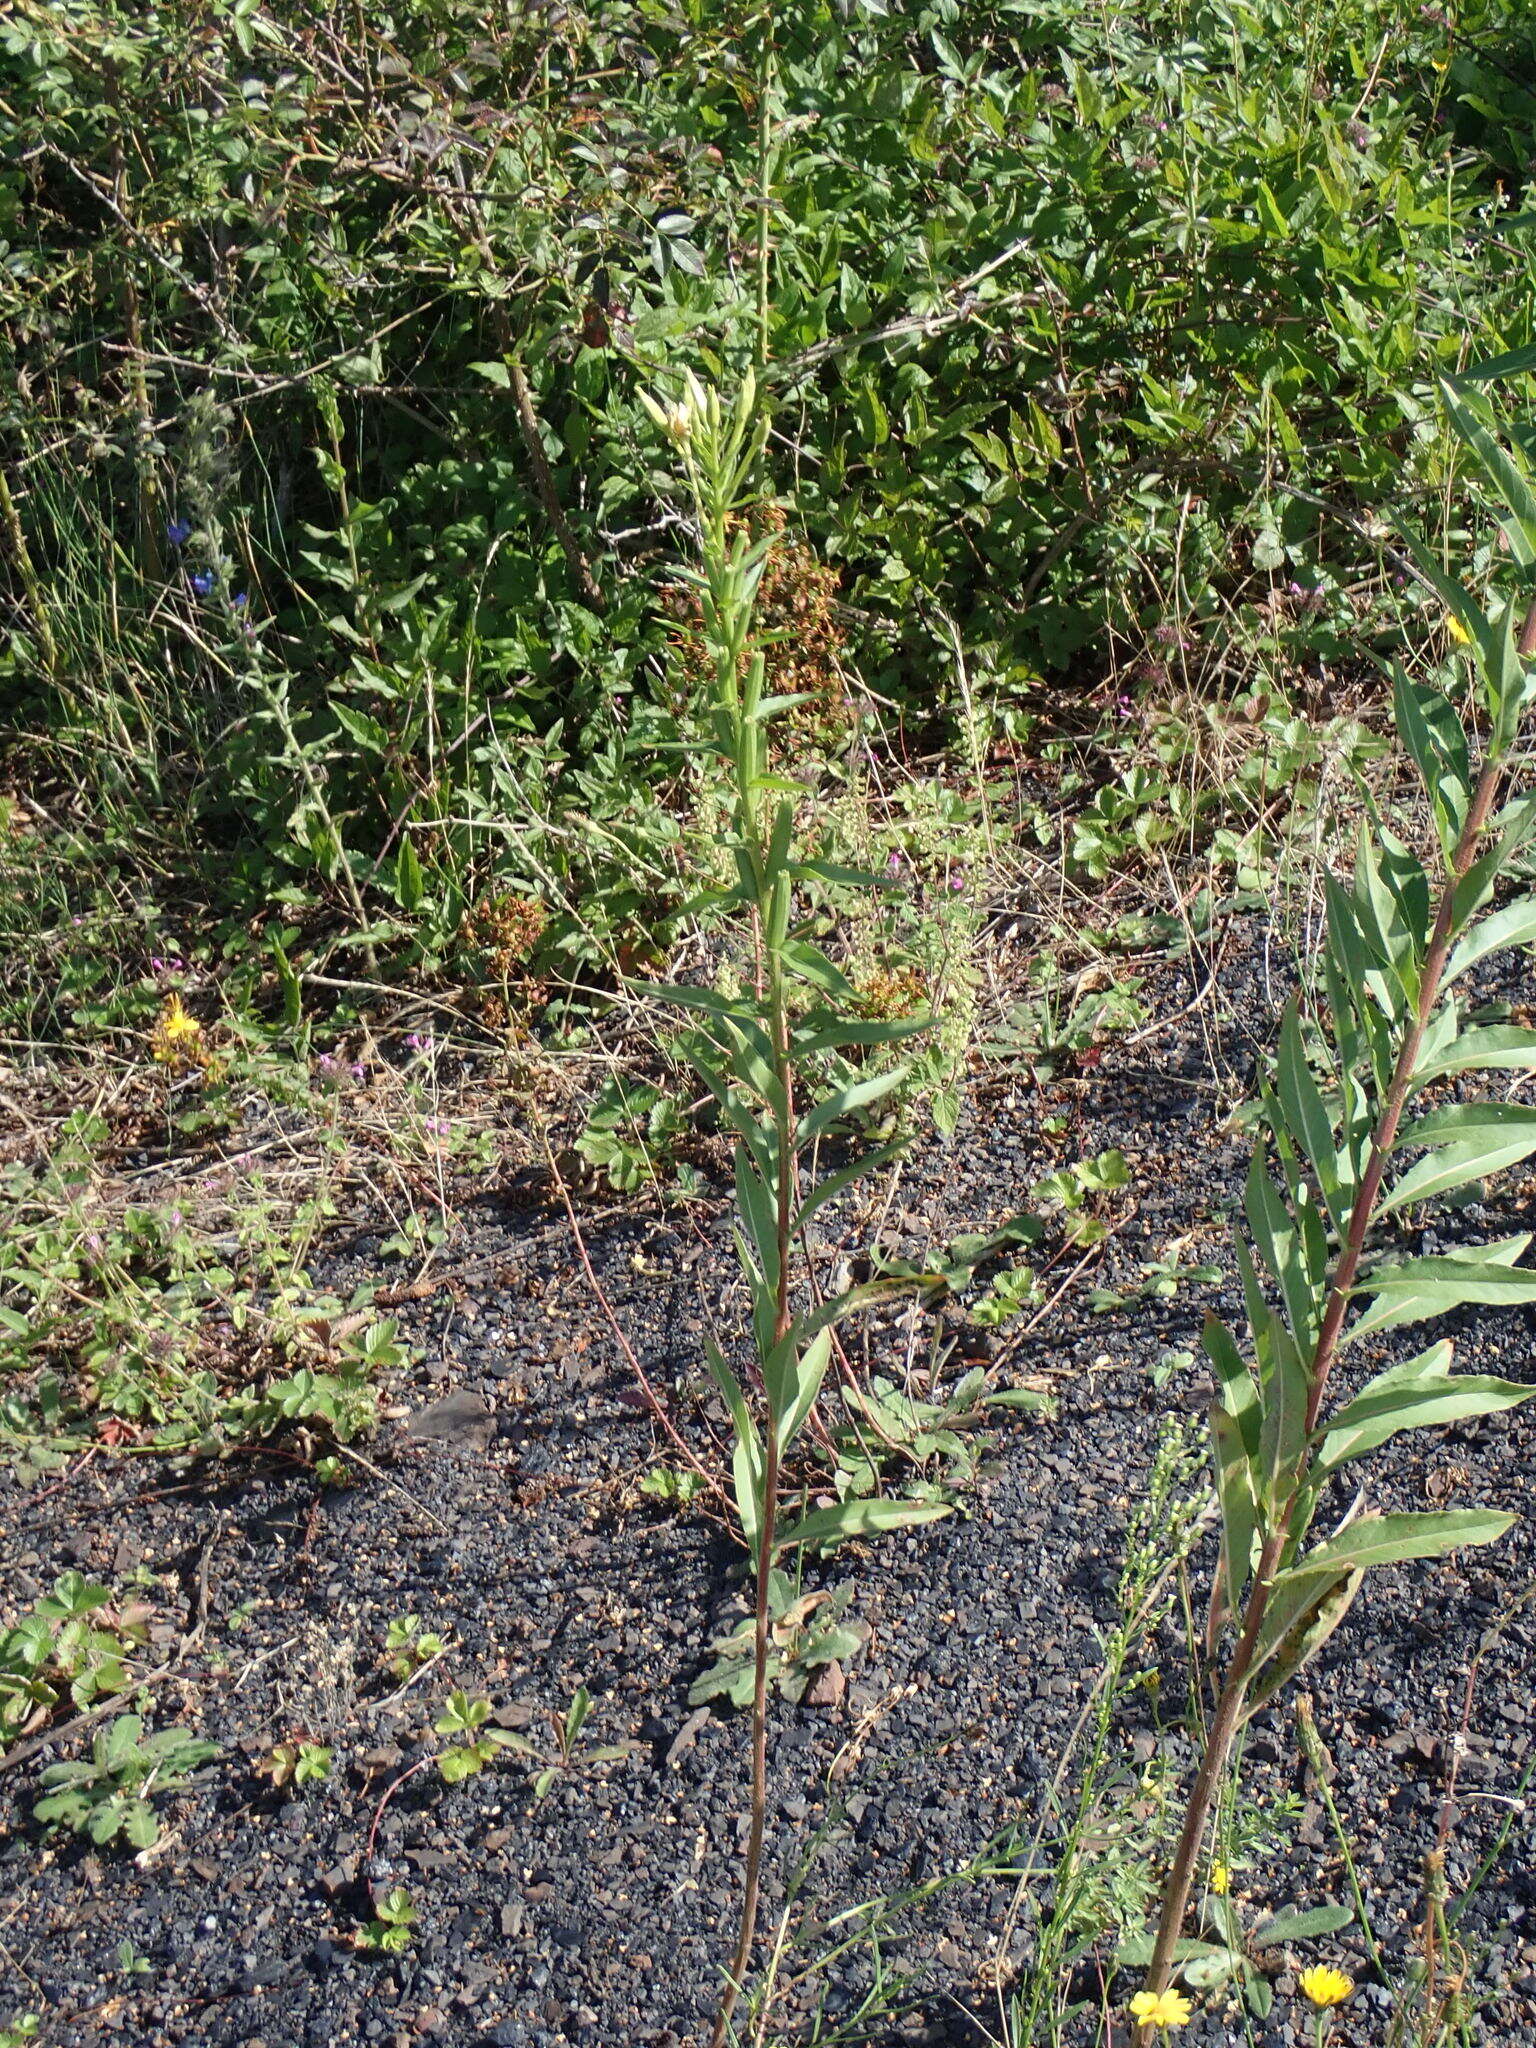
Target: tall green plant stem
{"x": 1234, "y": 1691}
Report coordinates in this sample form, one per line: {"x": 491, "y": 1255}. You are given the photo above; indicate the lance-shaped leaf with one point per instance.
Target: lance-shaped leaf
{"x": 857, "y": 1095}
{"x": 1304, "y": 1610}
{"x": 833, "y": 1036}
{"x": 1469, "y": 1141}
{"x": 759, "y": 1216}
{"x": 1235, "y": 1382}
{"x": 1395, "y": 1539}
{"x": 1514, "y": 925}
{"x": 1423, "y": 1394}
{"x": 1430, "y": 729}
{"x": 1281, "y": 1244}
{"x": 1484, "y": 1048}
{"x": 1514, "y": 825}
{"x": 1309, "y": 1121}
{"x": 747, "y": 1455}
{"x": 856, "y": 1169}
{"x": 1416, "y": 1289}
{"x": 1237, "y": 1496}
{"x": 823, "y": 1527}
{"x": 1505, "y": 470}
{"x": 802, "y": 1383}
{"x": 1283, "y": 1387}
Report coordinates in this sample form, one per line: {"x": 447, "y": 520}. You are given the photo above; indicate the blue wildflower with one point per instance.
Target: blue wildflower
{"x": 177, "y": 531}
{"x": 240, "y": 600}
{"x": 202, "y": 581}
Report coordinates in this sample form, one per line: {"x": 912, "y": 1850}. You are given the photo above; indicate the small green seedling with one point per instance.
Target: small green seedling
{"x": 478, "y": 1745}
{"x": 407, "y": 1647}
{"x": 296, "y": 1763}
{"x": 21, "y": 2028}
{"x": 130, "y": 1962}
{"x": 566, "y": 1729}
{"x": 390, "y": 1933}
{"x": 673, "y": 1487}
{"x": 108, "y": 1794}
{"x": 806, "y": 1630}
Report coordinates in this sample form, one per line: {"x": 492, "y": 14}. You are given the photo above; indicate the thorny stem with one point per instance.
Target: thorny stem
{"x": 1234, "y": 1691}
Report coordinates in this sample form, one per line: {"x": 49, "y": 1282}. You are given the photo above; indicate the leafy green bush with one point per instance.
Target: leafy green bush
{"x": 333, "y": 519}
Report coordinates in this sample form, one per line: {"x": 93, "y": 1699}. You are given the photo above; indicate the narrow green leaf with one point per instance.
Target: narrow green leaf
{"x": 1418, "y": 1288}
{"x": 1514, "y": 925}
{"x": 857, "y": 1095}
{"x": 1407, "y": 1397}
{"x": 747, "y": 1455}
{"x": 856, "y": 1169}
{"x": 1397, "y": 1539}
{"x": 809, "y": 1370}
{"x": 1239, "y": 1394}
{"x": 1470, "y": 1142}
{"x": 823, "y": 1527}
{"x": 1310, "y": 1124}
{"x": 1236, "y": 1495}
{"x": 1484, "y": 1048}
{"x": 1303, "y": 1613}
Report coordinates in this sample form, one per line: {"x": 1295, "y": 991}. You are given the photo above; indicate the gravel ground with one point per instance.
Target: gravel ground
{"x": 503, "y": 1508}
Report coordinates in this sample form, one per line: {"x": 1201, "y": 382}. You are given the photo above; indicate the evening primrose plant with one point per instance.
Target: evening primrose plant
{"x": 1342, "y": 1123}
{"x": 764, "y": 1055}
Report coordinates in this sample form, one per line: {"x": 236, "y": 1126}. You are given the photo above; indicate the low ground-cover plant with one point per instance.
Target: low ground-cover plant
{"x": 1342, "y": 1124}
{"x": 108, "y": 1795}
{"x": 77, "y": 1641}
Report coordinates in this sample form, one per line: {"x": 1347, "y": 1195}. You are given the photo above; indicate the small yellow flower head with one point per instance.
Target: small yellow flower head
{"x": 176, "y": 1035}
{"x": 1325, "y": 1986}
{"x": 1161, "y": 2008}
{"x": 1221, "y": 1879}
{"x": 1457, "y": 630}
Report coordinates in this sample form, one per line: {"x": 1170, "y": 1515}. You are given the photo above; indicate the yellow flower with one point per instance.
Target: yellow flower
{"x": 1161, "y": 2008}
{"x": 1221, "y": 1879}
{"x": 1325, "y": 1985}
{"x": 176, "y": 1035}
{"x": 1457, "y": 630}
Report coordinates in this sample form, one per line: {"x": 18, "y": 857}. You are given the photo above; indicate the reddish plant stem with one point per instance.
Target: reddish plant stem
{"x": 783, "y": 1315}
{"x": 1234, "y": 1691}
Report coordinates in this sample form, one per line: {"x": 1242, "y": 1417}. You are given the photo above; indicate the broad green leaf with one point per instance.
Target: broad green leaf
{"x": 1471, "y": 1141}
{"x": 823, "y": 1527}
{"x": 1419, "y": 1288}
{"x": 1239, "y": 1394}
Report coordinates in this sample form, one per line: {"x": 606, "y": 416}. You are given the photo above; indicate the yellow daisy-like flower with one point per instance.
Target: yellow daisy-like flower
{"x": 1161, "y": 2008}
{"x": 1457, "y": 630}
{"x": 1221, "y": 1879}
{"x": 176, "y": 1035}
{"x": 1325, "y": 1986}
